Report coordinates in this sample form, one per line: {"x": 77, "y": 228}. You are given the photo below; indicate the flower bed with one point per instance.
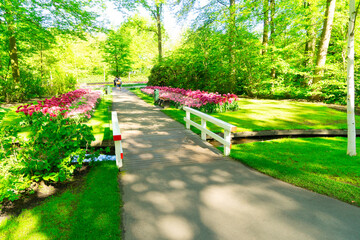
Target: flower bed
{"x": 84, "y": 106}
{"x": 204, "y": 101}
{"x": 80, "y": 102}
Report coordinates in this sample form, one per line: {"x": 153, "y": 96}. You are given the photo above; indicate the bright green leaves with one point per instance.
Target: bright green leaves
{"x": 47, "y": 154}
{"x": 117, "y": 53}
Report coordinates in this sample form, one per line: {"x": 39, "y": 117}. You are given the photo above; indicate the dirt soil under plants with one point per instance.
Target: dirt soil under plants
{"x": 42, "y": 191}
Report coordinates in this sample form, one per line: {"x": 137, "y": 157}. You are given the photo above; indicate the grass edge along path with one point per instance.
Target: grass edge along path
{"x": 316, "y": 180}
{"x": 100, "y": 121}
{"x": 89, "y": 211}
{"x": 317, "y": 164}
{"x": 258, "y": 115}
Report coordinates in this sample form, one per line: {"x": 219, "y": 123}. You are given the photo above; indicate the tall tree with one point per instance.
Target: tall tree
{"x": 351, "y": 146}
{"x": 23, "y": 15}
{"x": 231, "y": 32}
{"x": 9, "y": 12}
{"x": 266, "y": 11}
{"x": 155, "y": 8}
{"x": 117, "y": 53}
{"x": 142, "y": 33}
{"x": 310, "y": 43}
{"x": 158, "y": 14}
{"x": 272, "y": 32}
{"x": 324, "y": 40}
{"x": 209, "y": 13}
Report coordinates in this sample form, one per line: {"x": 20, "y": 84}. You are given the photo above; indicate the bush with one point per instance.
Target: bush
{"x": 47, "y": 154}
{"x": 12, "y": 180}
{"x": 53, "y": 144}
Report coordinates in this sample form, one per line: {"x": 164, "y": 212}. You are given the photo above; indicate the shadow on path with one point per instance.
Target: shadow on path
{"x": 175, "y": 186}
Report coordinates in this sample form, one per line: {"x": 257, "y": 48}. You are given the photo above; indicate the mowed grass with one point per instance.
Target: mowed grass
{"x": 318, "y": 164}
{"x": 10, "y": 117}
{"x": 88, "y": 211}
{"x": 258, "y": 115}
{"x": 3, "y": 112}
{"x": 101, "y": 120}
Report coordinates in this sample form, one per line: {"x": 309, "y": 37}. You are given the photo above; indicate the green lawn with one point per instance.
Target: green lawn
{"x": 257, "y": 115}
{"x": 318, "y": 164}
{"x": 89, "y": 211}
{"x": 101, "y": 120}
{"x": 134, "y": 85}
{"x": 3, "y": 112}
{"x": 10, "y": 117}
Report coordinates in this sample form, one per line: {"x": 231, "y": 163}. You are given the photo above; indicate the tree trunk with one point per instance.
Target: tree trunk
{"x": 310, "y": 35}
{"x": 116, "y": 62}
{"x": 266, "y": 26}
{"x": 158, "y": 21}
{"x": 13, "y": 53}
{"x": 41, "y": 62}
{"x": 272, "y": 33}
{"x": 325, "y": 39}
{"x": 351, "y": 146}
{"x": 232, "y": 27}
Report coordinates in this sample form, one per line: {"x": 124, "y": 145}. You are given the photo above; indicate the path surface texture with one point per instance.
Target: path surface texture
{"x": 175, "y": 186}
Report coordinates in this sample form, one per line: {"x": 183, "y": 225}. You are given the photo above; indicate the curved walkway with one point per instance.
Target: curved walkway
{"x": 175, "y": 186}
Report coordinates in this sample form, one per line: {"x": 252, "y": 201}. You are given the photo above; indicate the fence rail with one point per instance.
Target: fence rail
{"x": 228, "y": 128}
{"x": 117, "y": 139}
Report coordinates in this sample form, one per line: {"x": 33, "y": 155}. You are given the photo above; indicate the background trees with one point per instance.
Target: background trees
{"x": 29, "y": 27}
{"x": 117, "y": 53}
{"x": 262, "y": 48}
{"x": 279, "y": 50}
{"x": 155, "y": 8}
{"x": 131, "y": 48}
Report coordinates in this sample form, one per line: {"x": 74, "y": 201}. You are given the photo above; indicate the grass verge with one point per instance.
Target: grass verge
{"x": 88, "y": 211}
{"x": 258, "y": 115}
{"x": 3, "y": 112}
{"x": 318, "y": 164}
{"x": 101, "y": 120}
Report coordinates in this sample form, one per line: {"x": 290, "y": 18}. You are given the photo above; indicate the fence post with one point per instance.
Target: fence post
{"x": 227, "y": 137}
{"x": 117, "y": 140}
{"x": 188, "y": 118}
{"x": 203, "y": 133}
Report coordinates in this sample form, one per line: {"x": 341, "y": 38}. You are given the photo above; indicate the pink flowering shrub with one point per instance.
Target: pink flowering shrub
{"x": 80, "y": 101}
{"x": 204, "y": 101}
{"x": 84, "y": 106}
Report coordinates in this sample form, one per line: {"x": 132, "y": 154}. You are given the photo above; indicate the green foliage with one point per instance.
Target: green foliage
{"x": 117, "y": 53}
{"x": 47, "y": 154}
{"x": 101, "y": 119}
{"x": 281, "y": 69}
{"x": 33, "y": 27}
{"x": 143, "y": 43}
{"x": 93, "y": 203}
{"x": 13, "y": 182}
{"x": 131, "y": 48}
{"x": 301, "y": 162}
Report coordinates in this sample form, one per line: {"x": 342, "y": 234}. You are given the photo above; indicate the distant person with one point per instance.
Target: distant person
{"x": 115, "y": 81}
{"x": 120, "y": 82}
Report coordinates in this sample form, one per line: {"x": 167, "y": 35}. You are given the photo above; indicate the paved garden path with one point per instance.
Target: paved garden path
{"x": 177, "y": 187}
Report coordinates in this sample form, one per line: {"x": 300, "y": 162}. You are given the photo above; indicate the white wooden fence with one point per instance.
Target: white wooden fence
{"x": 228, "y": 128}
{"x": 117, "y": 140}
